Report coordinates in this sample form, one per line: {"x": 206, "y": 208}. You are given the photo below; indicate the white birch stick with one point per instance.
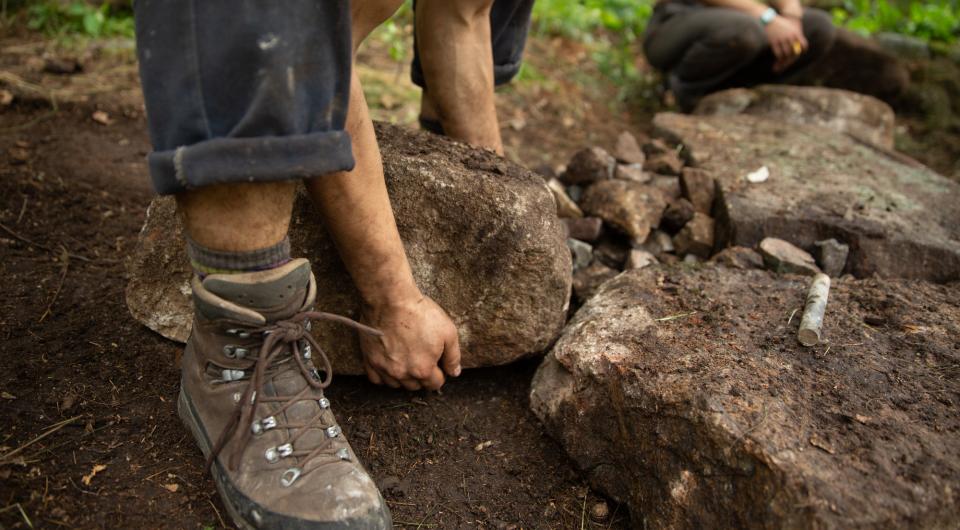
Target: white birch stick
{"x": 812, "y": 321}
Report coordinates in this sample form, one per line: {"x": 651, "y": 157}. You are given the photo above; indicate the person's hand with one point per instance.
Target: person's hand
{"x": 787, "y": 40}
{"x": 418, "y": 339}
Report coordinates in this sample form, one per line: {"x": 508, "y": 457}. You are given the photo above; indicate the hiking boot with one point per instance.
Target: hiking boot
{"x": 253, "y": 399}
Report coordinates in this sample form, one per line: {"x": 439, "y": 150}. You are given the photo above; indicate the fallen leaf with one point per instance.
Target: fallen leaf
{"x": 93, "y": 472}
{"x": 7, "y": 395}
{"x": 6, "y": 98}
{"x": 483, "y": 445}
{"x": 862, "y": 419}
{"x": 102, "y": 118}
{"x": 172, "y": 488}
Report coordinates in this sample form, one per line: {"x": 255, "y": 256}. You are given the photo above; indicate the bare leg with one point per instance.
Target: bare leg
{"x": 453, "y": 39}
{"x": 237, "y": 217}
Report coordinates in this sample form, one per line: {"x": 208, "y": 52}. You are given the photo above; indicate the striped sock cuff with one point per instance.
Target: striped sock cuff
{"x": 208, "y": 261}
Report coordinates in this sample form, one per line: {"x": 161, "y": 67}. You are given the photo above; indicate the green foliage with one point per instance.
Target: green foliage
{"x": 78, "y": 18}
{"x": 611, "y": 27}
{"x": 937, "y": 20}
{"x": 395, "y": 33}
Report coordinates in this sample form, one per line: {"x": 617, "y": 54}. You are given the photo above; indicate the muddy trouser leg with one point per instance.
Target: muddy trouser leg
{"x": 244, "y": 90}
{"x": 509, "y": 24}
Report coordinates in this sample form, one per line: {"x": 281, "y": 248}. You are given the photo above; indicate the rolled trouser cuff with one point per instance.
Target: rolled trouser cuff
{"x": 261, "y": 159}
{"x": 504, "y": 73}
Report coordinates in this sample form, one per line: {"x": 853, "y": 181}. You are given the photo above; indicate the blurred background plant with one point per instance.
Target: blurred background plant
{"x": 78, "y": 18}
{"x": 932, "y": 21}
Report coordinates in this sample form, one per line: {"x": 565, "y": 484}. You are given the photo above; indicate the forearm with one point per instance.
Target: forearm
{"x": 356, "y": 209}
{"x": 789, "y": 8}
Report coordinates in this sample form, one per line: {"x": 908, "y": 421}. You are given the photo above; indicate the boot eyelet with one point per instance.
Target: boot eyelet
{"x": 271, "y": 455}
{"x": 285, "y": 450}
{"x": 256, "y": 428}
{"x": 230, "y": 351}
{"x": 232, "y": 331}
{"x": 232, "y": 375}
{"x": 243, "y": 334}
{"x": 324, "y": 403}
{"x": 289, "y": 477}
{"x": 333, "y": 432}
{"x": 343, "y": 454}
{"x": 240, "y": 353}
{"x": 236, "y": 397}
{"x": 268, "y": 423}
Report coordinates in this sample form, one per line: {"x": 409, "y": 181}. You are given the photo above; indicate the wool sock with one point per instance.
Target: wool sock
{"x": 207, "y": 261}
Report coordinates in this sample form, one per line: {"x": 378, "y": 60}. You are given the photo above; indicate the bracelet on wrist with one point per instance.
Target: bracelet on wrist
{"x": 767, "y": 16}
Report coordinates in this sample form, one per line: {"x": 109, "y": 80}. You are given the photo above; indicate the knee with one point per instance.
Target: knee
{"x": 819, "y": 30}
{"x": 366, "y": 15}
{"x": 465, "y": 10}
{"x": 745, "y": 39}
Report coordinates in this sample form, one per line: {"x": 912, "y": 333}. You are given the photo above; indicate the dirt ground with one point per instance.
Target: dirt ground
{"x": 91, "y": 436}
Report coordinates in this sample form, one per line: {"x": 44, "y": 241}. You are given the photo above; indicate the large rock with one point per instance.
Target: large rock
{"x": 481, "y": 233}
{"x": 686, "y": 395}
{"x": 863, "y": 117}
{"x": 899, "y": 218}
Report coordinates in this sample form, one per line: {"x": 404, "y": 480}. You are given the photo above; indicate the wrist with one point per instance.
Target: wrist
{"x": 397, "y": 294}
{"x": 767, "y": 16}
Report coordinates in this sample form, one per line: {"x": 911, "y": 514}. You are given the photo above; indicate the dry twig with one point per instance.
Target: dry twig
{"x": 5, "y": 458}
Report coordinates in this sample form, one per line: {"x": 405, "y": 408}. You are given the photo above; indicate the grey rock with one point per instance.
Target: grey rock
{"x": 783, "y": 257}
{"x": 667, "y": 163}
{"x": 738, "y": 258}
{"x": 582, "y": 253}
{"x": 669, "y": 185}
{"x": 663, "y": 241}
{"x": 584, "y": 228}
{"x": 728, "y": 422}
{"x": 627, "y": 150}
{"x": 678, "y": 213}
{"x": 696, "y": 237}
{"x": 863, "y": 117}
{"x": 899, "y": 218}
{"x": 699, "y": 188}
{"x": 639, "y": 258}
{"x": 630, "y": 207}
{"x": 632, "y": 172}
{"x": 831, "y": 255}
{"x": 588, "y": 166}
{"x": 587, "y": 280}
{"x": 481, "y": 235}
{"x": 904, "y": 46}
{"x": 611, "y": 251}
{"x": 566, "y": 208}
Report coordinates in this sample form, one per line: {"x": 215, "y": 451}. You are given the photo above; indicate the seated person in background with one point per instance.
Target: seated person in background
{"x": 709, "y": 45}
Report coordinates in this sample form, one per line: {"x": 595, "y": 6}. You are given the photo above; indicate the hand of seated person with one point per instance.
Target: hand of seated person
{"x": 787, "y": 41}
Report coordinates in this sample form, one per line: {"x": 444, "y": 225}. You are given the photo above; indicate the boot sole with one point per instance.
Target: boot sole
{"x": 191, "y": 420}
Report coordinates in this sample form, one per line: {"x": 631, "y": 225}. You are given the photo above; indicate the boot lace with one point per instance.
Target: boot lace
{"x": 279, "y": 352}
